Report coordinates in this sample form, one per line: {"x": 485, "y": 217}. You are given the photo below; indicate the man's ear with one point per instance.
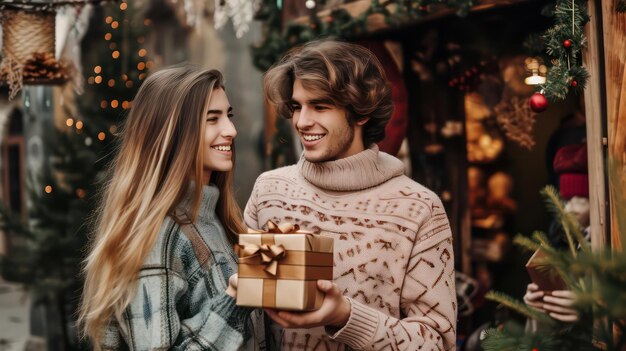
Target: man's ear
{"x": 362, "y": 121}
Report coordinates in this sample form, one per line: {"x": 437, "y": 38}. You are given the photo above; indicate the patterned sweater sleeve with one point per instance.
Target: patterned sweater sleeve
{"x": 427, "y": 298}
{"x": 250, "y": 216}
{"x": 212, "y": 321}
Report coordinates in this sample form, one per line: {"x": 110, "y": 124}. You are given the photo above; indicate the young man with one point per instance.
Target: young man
{"x": 393, "y": 286}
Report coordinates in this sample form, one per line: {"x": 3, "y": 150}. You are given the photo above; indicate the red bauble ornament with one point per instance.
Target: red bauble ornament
{"x": 330, "y": 19}
{"x": 567, "y": 43}
{"x": 538, "y": 103}
{"x": 574, "y": 84}
{"x": 535, "y": 349}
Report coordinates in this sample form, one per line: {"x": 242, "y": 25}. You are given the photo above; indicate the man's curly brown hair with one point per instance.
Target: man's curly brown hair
{"x": 348, "y": 75}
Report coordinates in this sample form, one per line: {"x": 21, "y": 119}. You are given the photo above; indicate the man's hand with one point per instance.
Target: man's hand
{"x": 232, "y": 286}
{"x": 334, "y": 312}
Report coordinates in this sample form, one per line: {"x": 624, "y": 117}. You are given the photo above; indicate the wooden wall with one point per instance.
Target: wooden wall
{"x": 614, "y": 32}
{"x": 596, "y": 133}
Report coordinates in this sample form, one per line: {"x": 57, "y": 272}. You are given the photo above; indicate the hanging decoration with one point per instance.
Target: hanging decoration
{"x": 74, "y": 23}
{"x": 43, "y": 66}
{"x": 515, "y": 117}
{"x": 339, "y": 23}
{"x": 538, "y": 103}
{"x": 564, "y": 43}
{"x": 28, "y": 43}
{"x": 241, "y": 12}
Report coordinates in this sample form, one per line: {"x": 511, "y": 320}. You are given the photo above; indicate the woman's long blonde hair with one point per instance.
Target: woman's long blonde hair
{"x": 160, "y": 151}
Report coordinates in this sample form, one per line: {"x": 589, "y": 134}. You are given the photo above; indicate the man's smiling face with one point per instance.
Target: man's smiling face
{"x": 324, "y": 129}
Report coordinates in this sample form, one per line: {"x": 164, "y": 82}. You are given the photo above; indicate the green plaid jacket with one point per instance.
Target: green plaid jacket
{"x": 180, "y": 300}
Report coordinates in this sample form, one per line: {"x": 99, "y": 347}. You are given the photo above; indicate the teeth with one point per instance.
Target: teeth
{"x": 221, "y": 148}
{"x": 312, "y": 137}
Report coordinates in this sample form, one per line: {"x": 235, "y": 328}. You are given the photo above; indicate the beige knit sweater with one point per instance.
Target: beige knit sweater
{"x": 393, "y": 250}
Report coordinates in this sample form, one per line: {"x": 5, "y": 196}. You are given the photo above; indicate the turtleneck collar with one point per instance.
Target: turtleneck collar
{"x": 364, "y": 170}
{"x": 210, "y": 195}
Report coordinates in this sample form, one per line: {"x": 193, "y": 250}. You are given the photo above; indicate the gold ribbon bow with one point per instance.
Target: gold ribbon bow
{"x": 283, "y": 228}
{"x": 270, "y": 254}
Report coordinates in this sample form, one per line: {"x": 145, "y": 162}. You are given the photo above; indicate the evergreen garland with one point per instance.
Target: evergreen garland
{"x": 576, "y": 266}
{"x": 339, "y": 23}
{"x": 564, "y": 44}
{"x": 564, "y": 41}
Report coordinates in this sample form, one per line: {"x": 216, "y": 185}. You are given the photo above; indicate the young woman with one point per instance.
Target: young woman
{"x": 158, "y": 269}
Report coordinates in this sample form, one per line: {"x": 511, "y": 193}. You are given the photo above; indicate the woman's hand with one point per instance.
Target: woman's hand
{"x": 232, "y": 286}
{"x": 534, "y": 297}
{"x": 334, "y": 312}
{"x": 557, "y": 304}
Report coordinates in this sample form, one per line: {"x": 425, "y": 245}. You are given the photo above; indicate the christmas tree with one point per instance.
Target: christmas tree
{"x": 604, "y": 301}
{"x": 49, "y": 249}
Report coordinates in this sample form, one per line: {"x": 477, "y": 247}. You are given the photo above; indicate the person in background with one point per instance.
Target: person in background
{"x": 570, "y": 165}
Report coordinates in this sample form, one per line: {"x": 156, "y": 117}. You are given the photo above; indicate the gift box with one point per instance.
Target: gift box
{"x": 546, "y": 277}
{"x": 279, "y": 269}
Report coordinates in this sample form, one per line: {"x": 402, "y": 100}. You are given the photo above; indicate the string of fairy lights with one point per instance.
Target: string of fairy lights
{"x": 98, "y": 76}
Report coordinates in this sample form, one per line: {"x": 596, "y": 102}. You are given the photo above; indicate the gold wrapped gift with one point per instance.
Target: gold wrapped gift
{"x": 280, "y": 268}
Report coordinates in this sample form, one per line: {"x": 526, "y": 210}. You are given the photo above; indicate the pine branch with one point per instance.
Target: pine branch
{"x": 518, "y": 306}
{"x": 543, "y": 240}
{"x": 512, "y": 336}
{"x": 554, "y": 38}
{"x": 556, "y": 207}
{"x": 570, "y": 225}
{"x": 526, "y": 243}
{"x": 581, "y": 76}
{"x": 557, "y": 84}
{"x": 499, "y": 340}
{"x": 571, "y": 11}
{"x": 609, "y": 270}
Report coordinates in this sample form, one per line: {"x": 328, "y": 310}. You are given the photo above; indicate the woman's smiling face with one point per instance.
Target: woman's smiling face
{"x": 219, "y": 134}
